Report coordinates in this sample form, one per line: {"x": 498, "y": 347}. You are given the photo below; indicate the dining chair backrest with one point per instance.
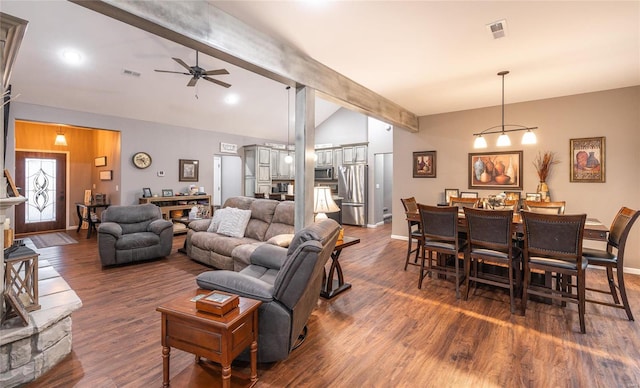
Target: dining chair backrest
{"x": 464, "y": 202}
{"x": 553, "y": 235}
{"x": 556, "y": 207}
{"x": 489, "y": 229}
{"x": 259, "y": 195}
{"x": 439, "y": 223}
{"x": 410, "y": 204}
{"x": 620, "y": 228}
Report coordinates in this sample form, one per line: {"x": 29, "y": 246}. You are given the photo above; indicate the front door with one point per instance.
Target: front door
{"x": 42, "y": 177}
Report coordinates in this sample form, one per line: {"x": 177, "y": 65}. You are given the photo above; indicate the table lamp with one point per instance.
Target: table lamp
{"x": 323, "y": 202}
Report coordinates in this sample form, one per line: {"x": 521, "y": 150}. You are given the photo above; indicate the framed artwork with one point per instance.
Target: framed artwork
{"x": 12, "y": 190}
{"x": 424, "y": 164}
{"x": 146, "y": 192}
{"x": 495, "y": 170}
{"x": 167, "y": 192}
{"x": 533, "y": 197}
{"x": 512, "y": 195}
{"x": 188, "y": 170}
{"x": 588, "y": 156}
{"x": 106, "y": 175}
{"x": 448, "y": 193}
{"x": 100, "y": 161}
{"x": 469, "y": 194}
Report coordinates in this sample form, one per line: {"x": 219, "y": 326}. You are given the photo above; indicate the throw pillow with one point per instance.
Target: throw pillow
{"x": 215, "y": 220}
{"x": 234, "y": 222}
{"x": 281, "y": 240}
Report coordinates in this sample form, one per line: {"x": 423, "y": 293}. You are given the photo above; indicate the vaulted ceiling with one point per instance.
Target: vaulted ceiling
{"x": 428, "y": 57}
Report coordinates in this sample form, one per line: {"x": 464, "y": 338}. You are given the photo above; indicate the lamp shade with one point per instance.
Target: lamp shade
{"x": 529, "y": 138}
{"x": 60, "y": 140}
{"x": 503, "y": 140}
{"x": 323, "y": 201}
{"x": 480, "y": 142}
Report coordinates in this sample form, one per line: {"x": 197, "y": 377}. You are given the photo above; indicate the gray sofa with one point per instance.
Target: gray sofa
{"x": 133, "y": 233}
{"x": 287, "y": 281}
{"x": 269, "y": 219}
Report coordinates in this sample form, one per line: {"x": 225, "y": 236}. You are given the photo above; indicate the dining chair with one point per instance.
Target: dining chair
{"x": 545, "y": 207}
{"x": 259, "y": 195}
{"x": 276, "y": 196}
{"x": 553, "y": 245}
{"x": 613, "y": 258}
{"x": 464, "y": 202}
{"x": 413, "y": 229}
{"x": 289, "y": 197}
{"x": 489, "y": 236}
{"x": 440, "y": 236}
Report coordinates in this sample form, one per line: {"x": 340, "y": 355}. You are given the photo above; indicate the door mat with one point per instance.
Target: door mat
{"x": 51, "y": 240}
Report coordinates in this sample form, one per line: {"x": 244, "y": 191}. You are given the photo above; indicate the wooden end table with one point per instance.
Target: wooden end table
{"x": 328, "y": 283}
{"x": 217, "y": 338}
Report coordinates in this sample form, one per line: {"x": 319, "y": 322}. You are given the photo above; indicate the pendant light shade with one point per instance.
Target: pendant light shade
{"x": 60, "y": 139}
{"x": 503, "y": 140}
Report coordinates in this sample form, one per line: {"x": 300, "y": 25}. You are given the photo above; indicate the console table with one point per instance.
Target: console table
{"x": 180, "y": 203}
{"x": 328, "y": 282}
{"x": 90, "y": 207}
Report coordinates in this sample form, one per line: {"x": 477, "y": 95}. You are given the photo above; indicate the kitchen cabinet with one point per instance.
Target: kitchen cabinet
{"x": 324, "y": 157}
{"x": 280, "y": 169}
{"x": 257, "y": 170}
{"x": 354, "y": 154}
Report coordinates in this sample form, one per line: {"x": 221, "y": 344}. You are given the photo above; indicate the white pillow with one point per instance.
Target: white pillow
{"x": 281, "y": 240}
{"x": 234, "y": 222}
{"x": 218, "y": 215}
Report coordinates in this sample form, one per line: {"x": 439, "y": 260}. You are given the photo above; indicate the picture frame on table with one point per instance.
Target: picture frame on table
{"x": 146, "y": 192}
{"x": 448, "y": 193}
{"x": 424, "y": 164}
{"x": 100, "y": 161}
{"x": 533, "y": 197}
{"x": 588, "y": 159}
{"x": 495, "y": 170}
{"x": 468, "y": 194}
{"x": 188, "y": 169}
{"x": 167, "y": 192}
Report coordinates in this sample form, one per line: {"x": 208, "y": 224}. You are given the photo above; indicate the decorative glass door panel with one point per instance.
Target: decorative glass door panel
{"x": 42, "y": 179}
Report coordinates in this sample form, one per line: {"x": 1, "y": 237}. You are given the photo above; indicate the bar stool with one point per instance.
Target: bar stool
{"x": 413, "y": 229}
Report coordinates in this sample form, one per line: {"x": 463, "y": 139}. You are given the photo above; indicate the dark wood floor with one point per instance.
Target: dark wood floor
{"x": 384, "y": 332}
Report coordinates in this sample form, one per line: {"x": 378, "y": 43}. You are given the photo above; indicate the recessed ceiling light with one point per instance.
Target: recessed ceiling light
{"x": 232, "y": 99}
{"x": 71, "y": 56}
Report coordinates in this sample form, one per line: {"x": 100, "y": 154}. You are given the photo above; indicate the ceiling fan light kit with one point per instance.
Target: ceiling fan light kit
{"x": 196, "y": 73}
{"x": 503, "y": 140}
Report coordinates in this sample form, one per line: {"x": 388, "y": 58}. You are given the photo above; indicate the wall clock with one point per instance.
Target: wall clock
{"x": 141, "y": 160}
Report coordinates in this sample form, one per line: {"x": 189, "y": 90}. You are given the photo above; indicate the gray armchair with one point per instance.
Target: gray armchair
{"x": 287, "y": 281}
{"x": 133, "y": 233}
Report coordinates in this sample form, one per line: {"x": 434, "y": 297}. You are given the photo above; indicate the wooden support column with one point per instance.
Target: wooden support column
{"x": 305, "y": 151}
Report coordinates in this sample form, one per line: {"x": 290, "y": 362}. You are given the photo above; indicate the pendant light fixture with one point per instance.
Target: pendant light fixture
{"x": 60, "y": 139}
{"x": 503, "y": 140}
{"x": 288, "y": 159}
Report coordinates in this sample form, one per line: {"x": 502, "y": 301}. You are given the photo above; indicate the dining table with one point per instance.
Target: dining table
{"x": 593, "y": 228}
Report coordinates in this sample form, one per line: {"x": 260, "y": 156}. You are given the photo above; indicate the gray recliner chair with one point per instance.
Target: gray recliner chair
{"x": 133, "y": 233}
{"x": 287, "y": 281}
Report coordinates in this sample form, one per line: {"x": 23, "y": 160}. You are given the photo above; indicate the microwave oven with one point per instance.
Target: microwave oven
{"x": 324, "y": 174}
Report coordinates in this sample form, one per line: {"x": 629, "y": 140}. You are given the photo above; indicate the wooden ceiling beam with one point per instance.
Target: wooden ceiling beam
{"x": 203, "y": 27}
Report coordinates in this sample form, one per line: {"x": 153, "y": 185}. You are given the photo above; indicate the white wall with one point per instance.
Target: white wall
{"x": 343, "y": 127}
{"x": 614, "y": 114}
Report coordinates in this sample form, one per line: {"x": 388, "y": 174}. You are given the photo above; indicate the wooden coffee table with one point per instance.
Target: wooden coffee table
{"x": 217, "y": 338}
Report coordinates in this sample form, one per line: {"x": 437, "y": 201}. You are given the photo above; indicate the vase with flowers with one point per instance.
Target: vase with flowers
{"x": 543, "y": 163}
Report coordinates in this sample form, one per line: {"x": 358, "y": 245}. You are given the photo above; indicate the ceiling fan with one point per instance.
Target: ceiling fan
{"x": 197, "y": 72}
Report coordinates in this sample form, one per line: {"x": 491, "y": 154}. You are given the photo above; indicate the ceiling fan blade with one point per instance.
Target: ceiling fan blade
{"x": 173, "y": 72}
{"x": 192, "y": 81}
{"x": 181, "y": 62}
{"x": 216, "y": 72}
{"x": 215, "y": 81}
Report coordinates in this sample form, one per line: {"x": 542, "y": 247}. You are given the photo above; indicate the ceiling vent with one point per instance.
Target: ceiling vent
{"x": 497, "y": 29}
{"x": 131, "y": 73}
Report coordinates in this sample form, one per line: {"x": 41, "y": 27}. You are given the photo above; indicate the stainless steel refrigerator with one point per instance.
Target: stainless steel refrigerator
{"x": 352, "y": 187}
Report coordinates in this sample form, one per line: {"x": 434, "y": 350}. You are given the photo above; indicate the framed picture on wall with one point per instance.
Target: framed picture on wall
{"x": 424, "y": 164}
{"x": 188, "y": 170}
{"x": 106, "y": 175}
{"x": 100, "y": 161}
{"x": 495, "y": 170}
{"x": 588, "y": 159}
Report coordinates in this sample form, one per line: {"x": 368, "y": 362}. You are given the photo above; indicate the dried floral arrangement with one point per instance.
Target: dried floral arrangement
{"x": 543, "y": 163}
